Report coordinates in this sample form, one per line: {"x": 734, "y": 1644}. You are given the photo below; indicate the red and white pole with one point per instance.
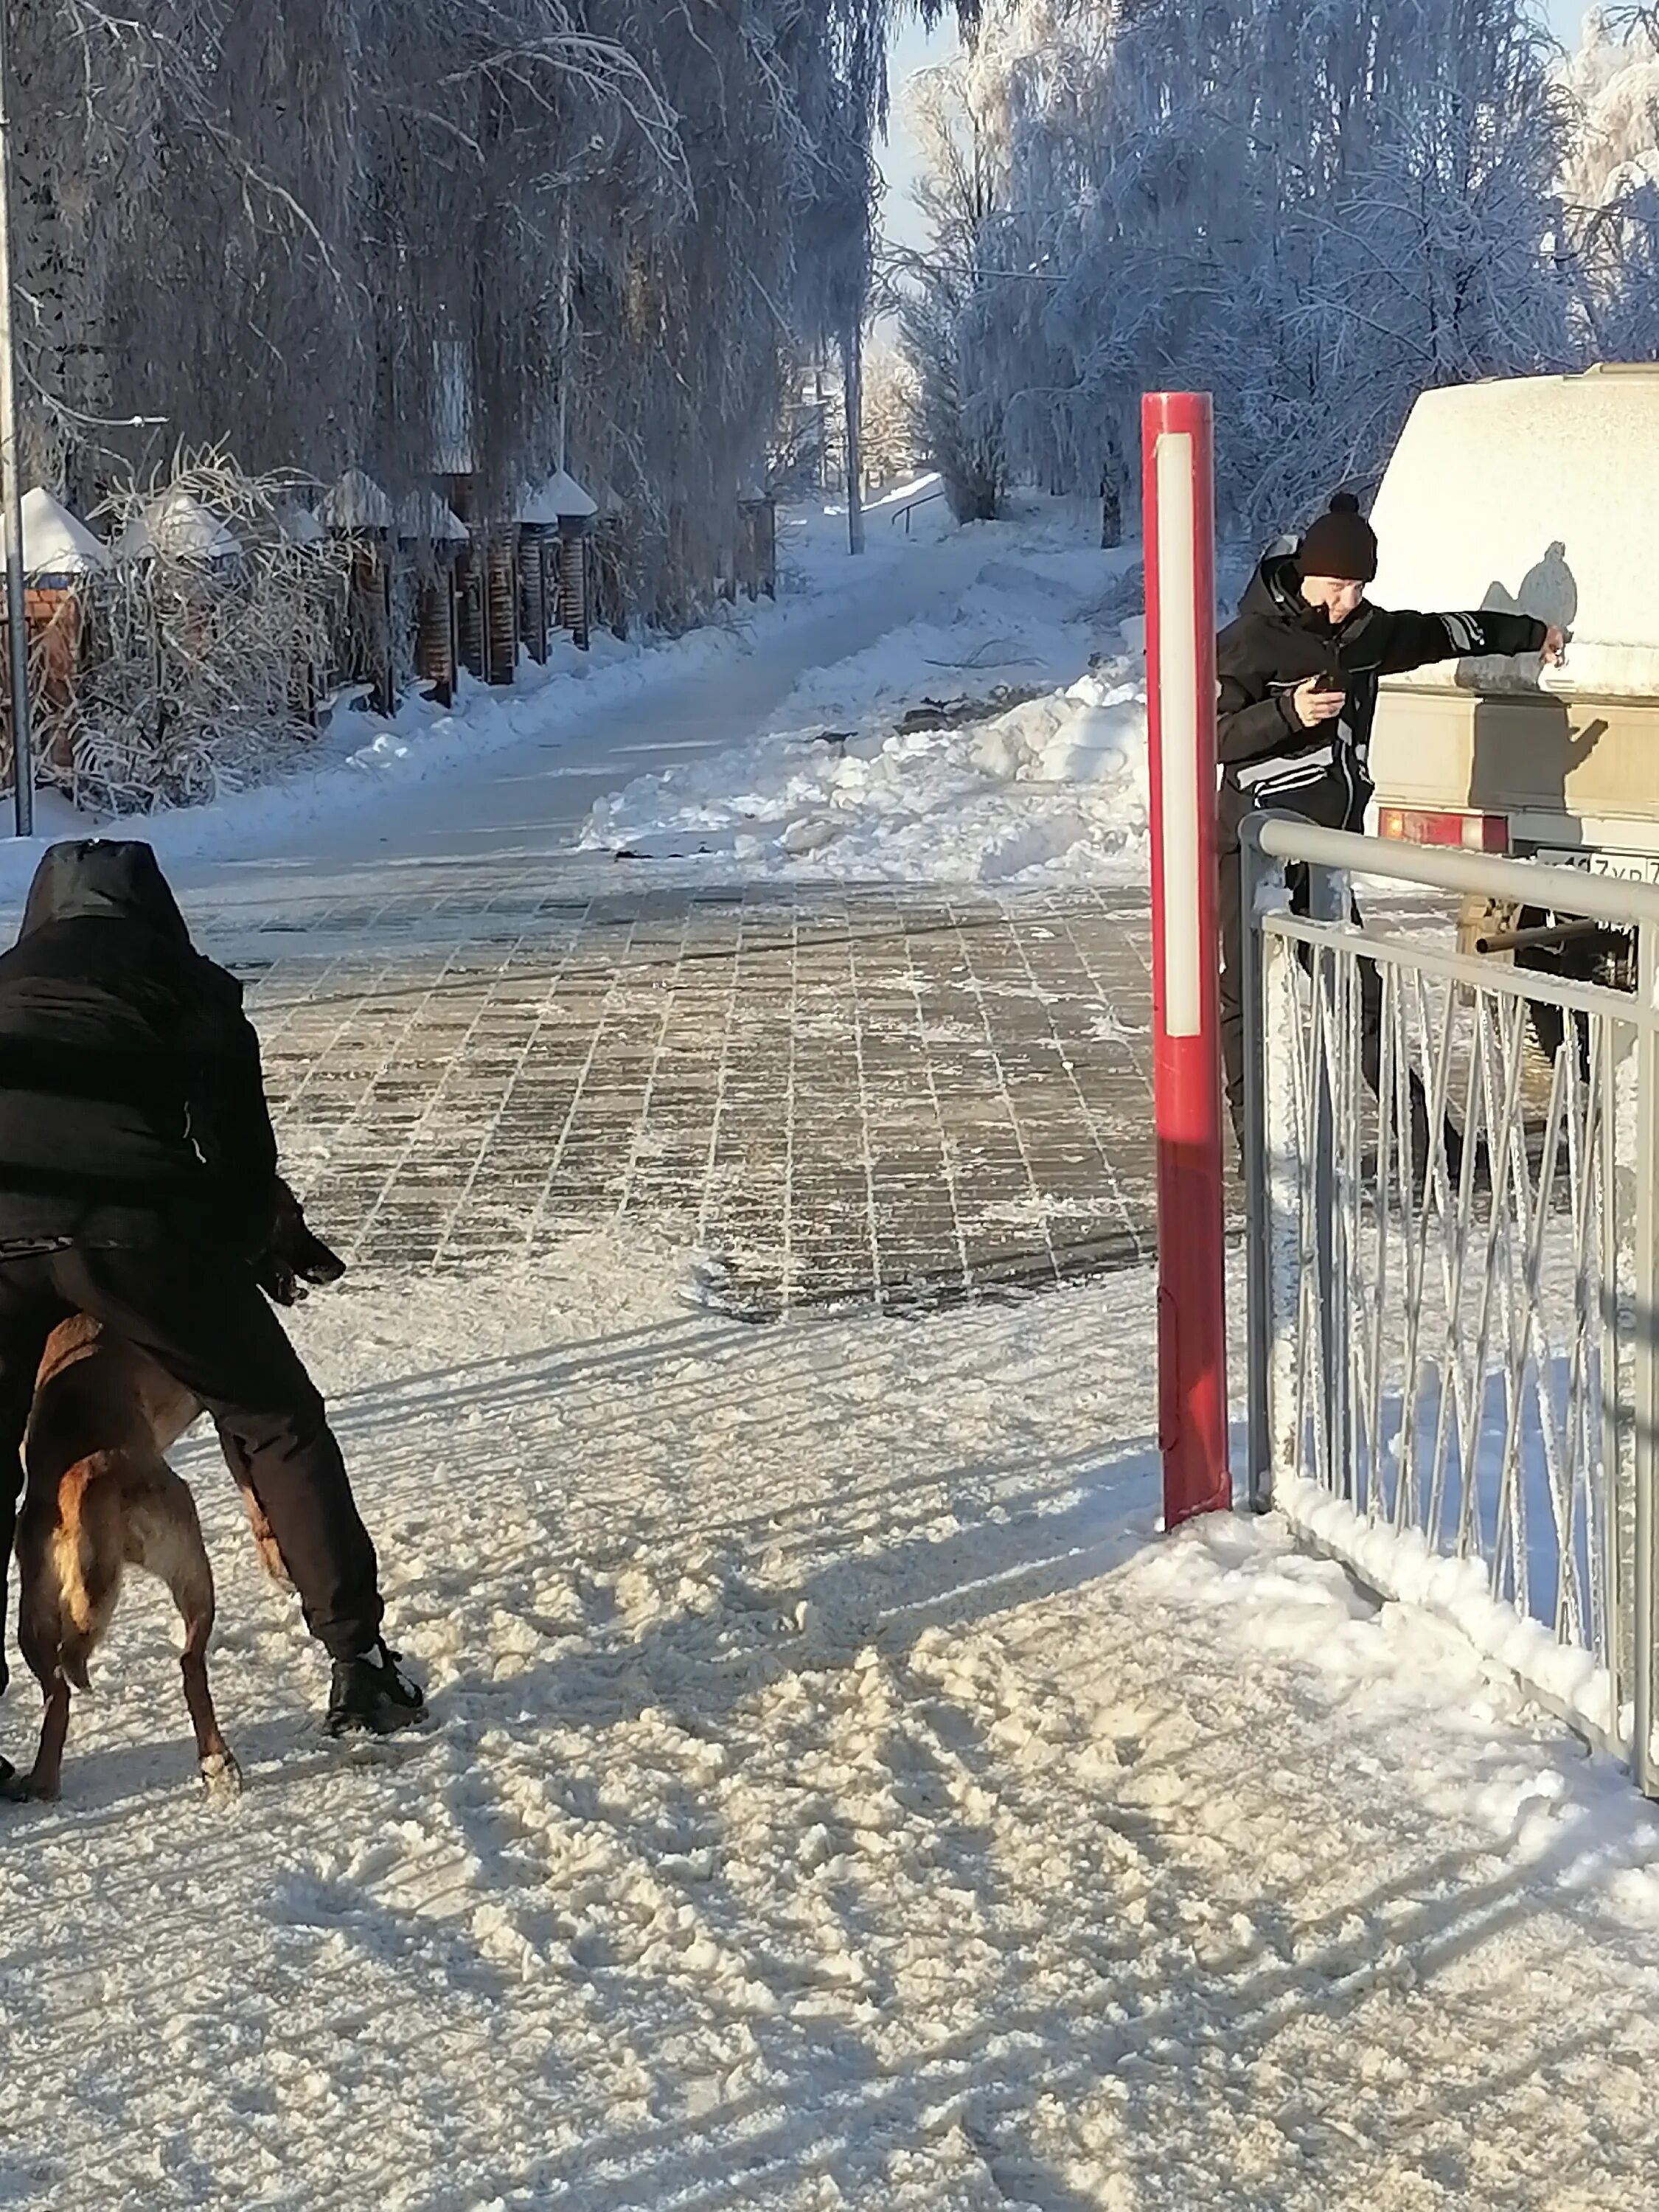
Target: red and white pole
{"x": 1192, "y": 1329}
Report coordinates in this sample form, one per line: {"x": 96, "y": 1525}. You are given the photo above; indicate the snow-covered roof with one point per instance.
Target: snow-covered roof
{"x": 55, "y": 542}
{"x": 560, "y": 495}
{"x": 1539, "y": 494}
{"x": 423, "y": 514}
{"x": 356, "y": 502}
{"x": 180, "y": 526}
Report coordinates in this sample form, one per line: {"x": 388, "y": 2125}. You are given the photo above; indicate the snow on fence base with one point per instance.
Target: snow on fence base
{"x": 1454, "y": 1253}
{"x": 1399, "y": 1567}
{"x": 1179, "y": 545}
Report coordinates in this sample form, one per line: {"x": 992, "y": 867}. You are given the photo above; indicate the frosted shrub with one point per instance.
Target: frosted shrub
{"x": 200, "y": 654}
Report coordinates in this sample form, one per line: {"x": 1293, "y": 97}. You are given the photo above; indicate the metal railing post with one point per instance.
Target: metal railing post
{"x": 1645, "y": 1379}
{"x": 1616, "y": 1601}
{"x": 1327, "y": 901}
{"x": 1255, "y": 871}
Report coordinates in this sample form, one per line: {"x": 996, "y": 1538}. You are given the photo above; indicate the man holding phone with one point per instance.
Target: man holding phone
{"x": 1297, "y": 672}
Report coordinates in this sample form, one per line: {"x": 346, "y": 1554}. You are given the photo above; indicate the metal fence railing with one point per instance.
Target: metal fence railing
{"x": 1454, "y": 1374}
{"x": 911, "y": 505}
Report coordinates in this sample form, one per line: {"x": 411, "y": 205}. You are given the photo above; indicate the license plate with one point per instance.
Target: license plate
{"x": 1633, "y": 867}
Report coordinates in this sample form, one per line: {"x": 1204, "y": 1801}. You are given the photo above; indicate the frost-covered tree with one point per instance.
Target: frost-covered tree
{"x": 411, "y": 236}
{"x": 939, "y": 288}
{"x": 1612, "y": 82}
{"x": 1610, "y": 185}
{"x": 1311, "y": 208}
{"x": 892, "y": 402}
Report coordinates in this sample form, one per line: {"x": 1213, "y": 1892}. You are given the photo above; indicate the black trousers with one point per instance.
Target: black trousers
{"x": 203, "y": 1319}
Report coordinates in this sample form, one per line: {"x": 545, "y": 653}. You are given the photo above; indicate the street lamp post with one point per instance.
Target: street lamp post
{"x": 11, "y": 489}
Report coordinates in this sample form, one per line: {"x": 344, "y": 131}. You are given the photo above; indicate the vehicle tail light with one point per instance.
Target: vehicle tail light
{"x": 1475, "y": 833}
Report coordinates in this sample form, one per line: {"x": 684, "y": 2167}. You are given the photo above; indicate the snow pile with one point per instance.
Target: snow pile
{"x": 1094, "y": 732}
{"x": 895, "y": 763}
{"x": 1055, "y": 787}
{"x": 1044, "y": 598}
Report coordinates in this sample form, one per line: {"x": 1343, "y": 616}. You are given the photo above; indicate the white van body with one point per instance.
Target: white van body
{"x": 1540, "y": 495}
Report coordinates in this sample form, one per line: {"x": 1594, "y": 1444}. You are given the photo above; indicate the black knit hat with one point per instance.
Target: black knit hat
{"x": 1340, "y": 544}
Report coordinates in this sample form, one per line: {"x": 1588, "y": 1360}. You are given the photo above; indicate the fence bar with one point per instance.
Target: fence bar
{"x": 1617, "y": 1595}
{"x": 1327, "y": 901}
{"x": 1619, "y": 900}
{"x": 1254, "y": 875}
{"x": 1646, "y": 1376}
{"x": 11, "y": 483}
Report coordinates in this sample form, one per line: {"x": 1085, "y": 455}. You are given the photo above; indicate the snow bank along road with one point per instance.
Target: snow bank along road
{"x": 840, "y": 1796}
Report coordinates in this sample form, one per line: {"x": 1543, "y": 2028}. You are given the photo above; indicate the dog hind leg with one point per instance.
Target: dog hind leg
{"x": 264, "y": 1541}
{"x": 221, "y": 1776}
{"x": 165, "y": 1539}
{"x": 43, "y": 1622}
{"x": 43, "y": 1779}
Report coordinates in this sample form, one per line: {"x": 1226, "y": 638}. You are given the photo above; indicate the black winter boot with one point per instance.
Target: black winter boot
{"x": 369, "y": 1693}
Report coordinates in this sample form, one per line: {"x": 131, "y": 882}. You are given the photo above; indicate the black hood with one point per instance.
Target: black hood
{"x": 1274, "y": 594}
{"x": 107, "y": 879}
{"x": 1275, "y": 591}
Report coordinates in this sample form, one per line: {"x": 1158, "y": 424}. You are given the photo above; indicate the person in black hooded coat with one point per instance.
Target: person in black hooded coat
{"x": 138, "y": 1183}
{"x": 1296, "y": 681}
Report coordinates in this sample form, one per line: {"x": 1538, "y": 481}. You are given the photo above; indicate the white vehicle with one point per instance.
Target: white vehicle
{"x": 1539, "y": 494}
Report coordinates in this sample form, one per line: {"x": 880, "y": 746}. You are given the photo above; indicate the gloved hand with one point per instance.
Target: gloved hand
{"x": 293, "y": 1255}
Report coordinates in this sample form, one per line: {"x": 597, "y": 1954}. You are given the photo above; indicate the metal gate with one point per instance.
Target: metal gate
{"x": 1453, "y": 1276}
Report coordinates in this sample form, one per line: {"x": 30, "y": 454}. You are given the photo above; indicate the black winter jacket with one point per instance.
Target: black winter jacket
{"x": 133, "y": 1104}
{"x": 1277, "y": 641}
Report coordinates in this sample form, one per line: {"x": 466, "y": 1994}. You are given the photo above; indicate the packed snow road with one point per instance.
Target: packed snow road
{"x": 839, "y": 1795}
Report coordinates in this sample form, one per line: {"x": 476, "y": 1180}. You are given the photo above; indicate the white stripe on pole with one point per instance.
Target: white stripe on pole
{"x": 1177, "y": 619}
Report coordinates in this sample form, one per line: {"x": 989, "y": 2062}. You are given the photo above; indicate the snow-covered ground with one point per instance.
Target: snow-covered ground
{"x": 1051, "y": 788}
{"x": 365, "y": 763}
{"x": 839, "y": 1794}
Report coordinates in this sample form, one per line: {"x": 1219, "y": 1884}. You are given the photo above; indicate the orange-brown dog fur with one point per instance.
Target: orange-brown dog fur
{"x": 100, "y": 1497}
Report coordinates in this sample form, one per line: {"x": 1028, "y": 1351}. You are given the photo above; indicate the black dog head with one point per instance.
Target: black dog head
{"x": 294, "y": 1254}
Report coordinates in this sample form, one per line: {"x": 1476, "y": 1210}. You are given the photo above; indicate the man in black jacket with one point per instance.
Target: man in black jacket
{"x": 138, "y": 1183}
{"x": 1298, "y": 673}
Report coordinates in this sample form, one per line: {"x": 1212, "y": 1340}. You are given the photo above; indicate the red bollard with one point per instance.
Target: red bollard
{"x": 1192, "y": 1323}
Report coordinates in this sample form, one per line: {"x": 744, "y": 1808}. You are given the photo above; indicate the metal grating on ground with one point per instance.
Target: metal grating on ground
{"x": 837, "y": 1093}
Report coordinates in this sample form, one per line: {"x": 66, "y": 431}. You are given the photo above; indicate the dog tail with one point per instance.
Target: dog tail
{"x": 88, "y": 1556}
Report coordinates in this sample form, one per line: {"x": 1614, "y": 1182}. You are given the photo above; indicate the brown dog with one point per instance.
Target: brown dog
{"x": 100, "y": 1497}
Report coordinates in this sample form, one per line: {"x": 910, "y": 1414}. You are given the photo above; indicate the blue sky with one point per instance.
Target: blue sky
{"x": 912, "y": 49}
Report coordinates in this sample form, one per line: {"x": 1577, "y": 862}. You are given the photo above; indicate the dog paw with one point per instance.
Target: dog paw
{"x": 222, "y": 1778}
